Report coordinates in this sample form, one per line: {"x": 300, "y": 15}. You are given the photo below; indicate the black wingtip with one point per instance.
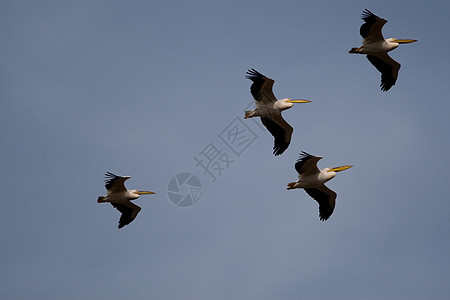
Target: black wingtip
{"x": 110, "y": 178}
{"x": 385, "y": 86}
{"x": 303, "y": 155}
{"x": 322, "y": 218}
{"x": 252, "y": 73}
{"x": 109, "y": 174}
{"x": 367, "y": 14}
{"x": 279, "y": 150}
{"x": 325, "y": 215}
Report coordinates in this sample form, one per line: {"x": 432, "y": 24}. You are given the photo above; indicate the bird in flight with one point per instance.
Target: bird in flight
{"x": 312, "y": 180}
{"x": 376, "y": 47}
{"x": 120, "y": 197}
{"x": 269, "y": 109}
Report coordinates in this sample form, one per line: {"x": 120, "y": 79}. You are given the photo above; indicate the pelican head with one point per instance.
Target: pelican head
{"x": 288, "y": 102}
{"x": 329, "y": 173}
{"x": 401, "y": 41}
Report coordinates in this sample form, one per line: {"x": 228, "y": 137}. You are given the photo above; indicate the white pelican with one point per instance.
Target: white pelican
{"x": 376, "y": 48}
{"x": 269, "y": 109}
{"x": 120, "y": 197}
{"x": 312, "y": 181}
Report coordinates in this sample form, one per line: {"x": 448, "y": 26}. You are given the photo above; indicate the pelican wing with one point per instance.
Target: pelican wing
{"x": 129, "y": 212}
{"x": 371, "y": 29}
{"x": 326, "y": 199}
{"x": 261, "y": 88}
{"x": 307, "y": 164}
{"x": 114, "y": 183}
{"x": 387, "y": 67}
{"x": 281, "y": 131}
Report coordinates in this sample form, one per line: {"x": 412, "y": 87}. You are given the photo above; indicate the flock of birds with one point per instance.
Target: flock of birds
{"x": 269, "y": 109}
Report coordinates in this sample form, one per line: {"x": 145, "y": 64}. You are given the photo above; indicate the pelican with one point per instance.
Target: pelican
{"x": 376, "y": 48}
{"x": 120, "y": 197}
{"x": 269, "y": 109}
{"x": 312, "y": 181}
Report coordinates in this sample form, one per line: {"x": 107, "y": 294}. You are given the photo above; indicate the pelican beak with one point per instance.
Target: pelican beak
{"x": 405, "y": 41}
{"x": 298, "y": 101}
{"x": 145, "y": 192}
{"x": 339, "y": 169}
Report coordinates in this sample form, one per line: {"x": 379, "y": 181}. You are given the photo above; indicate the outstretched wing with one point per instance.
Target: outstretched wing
{"x": 114, "y": 183}
{"x": 261, "y": 88}
{"x": 371, "y": 29}
{"x": 387, "y": 67}
{"x": 326, "y": 199}
{"x": 281, "y": 131}
{"x": 307, "y": 164}
{"x": 129, "y": 212}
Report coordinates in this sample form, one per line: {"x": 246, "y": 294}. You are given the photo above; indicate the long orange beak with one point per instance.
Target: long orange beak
{"x": 405, "y": 41}
{"x": 341, "y": 168}
{"x": 298, "y": 101}
{"x": 145, "y": 192}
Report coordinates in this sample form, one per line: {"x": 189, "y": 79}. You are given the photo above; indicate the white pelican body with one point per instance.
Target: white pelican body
{"x": 376, "y": 48}
{"x": 264, "y": 109}
{"x": 120, "y": 197}
{"x": 313, "y": 182}
{"x": 269, "y": 109}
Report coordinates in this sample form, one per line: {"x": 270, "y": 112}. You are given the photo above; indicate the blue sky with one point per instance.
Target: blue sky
{"x": 141, "y": 88}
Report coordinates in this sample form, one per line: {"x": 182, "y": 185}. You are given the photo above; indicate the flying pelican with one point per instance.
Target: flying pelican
{"x": 120, "y": 197}
{"x": 312, "y": 181}
{"x": 269, "y": 109}
{"x": 376, "y": 48}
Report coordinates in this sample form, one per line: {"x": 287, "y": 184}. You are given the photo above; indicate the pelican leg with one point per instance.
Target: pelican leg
{"x": 249, "y": 114}
{"x": 101, "y": 199}
{"x": 355, "y": 50}
{"x": 291, "y": 185}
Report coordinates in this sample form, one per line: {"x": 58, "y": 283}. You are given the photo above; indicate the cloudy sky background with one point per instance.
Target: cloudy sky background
{"x": 140, "y": 88}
